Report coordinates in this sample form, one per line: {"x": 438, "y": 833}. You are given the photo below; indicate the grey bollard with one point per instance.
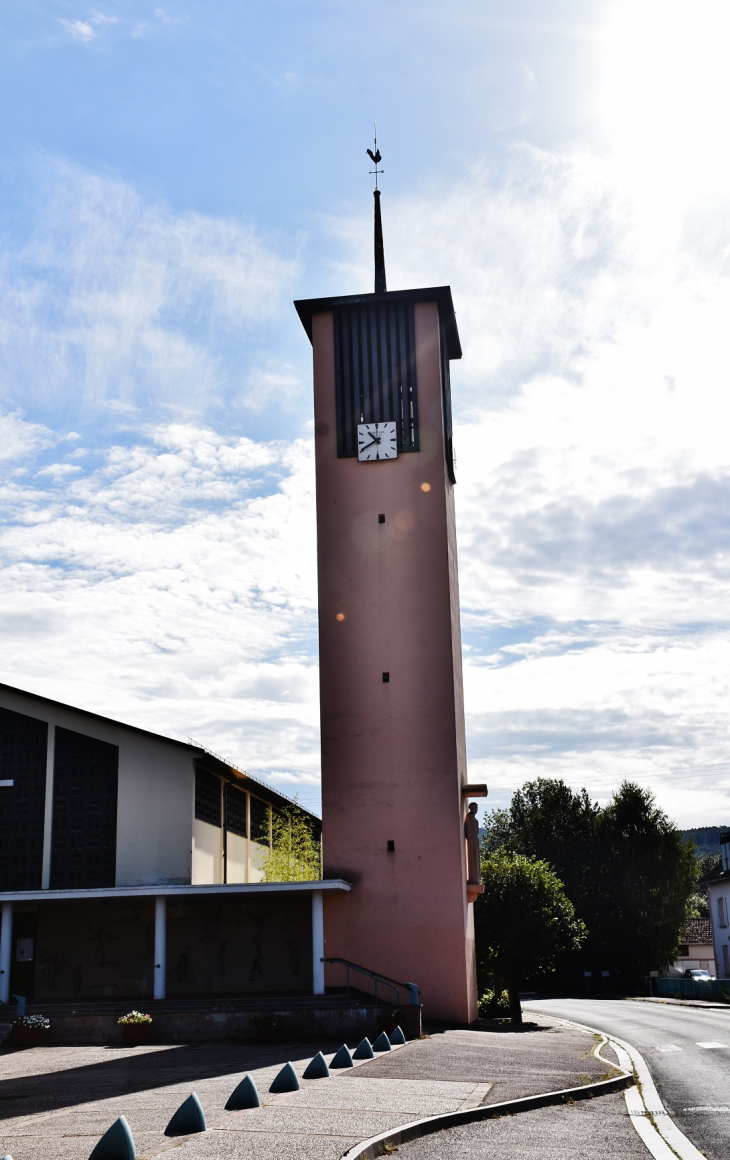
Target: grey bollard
{"x": 364, "y": 1049}
{"x": 342, "y": 1057}
{"x": 382, "y": 1043}
{"x": 244, "y": 1096}
{"x": 188, "y": 1118}
{"x": 317, "y": 1069}
{"x": 286, "y": 1080}
{"x": 116, "y": 1143}
{"x": 397, "y": 1036}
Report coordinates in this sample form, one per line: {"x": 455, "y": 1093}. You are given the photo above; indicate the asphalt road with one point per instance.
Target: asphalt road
{"x": 687, "y": 1051}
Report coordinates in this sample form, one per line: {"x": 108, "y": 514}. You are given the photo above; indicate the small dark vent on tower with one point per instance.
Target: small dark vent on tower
{"x": 375, "y": 372}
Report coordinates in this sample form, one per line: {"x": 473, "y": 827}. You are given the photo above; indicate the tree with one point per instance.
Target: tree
{"x": 699, "y": 900}
{"x": 546, "y": 819}
{"x": 647, "y": 875}
{"x": 523, "y": 921}
{"x": 626, "y": 868}
{"x": 296, "y": 851}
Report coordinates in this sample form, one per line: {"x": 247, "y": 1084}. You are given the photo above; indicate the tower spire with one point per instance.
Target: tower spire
{"x": 376, "y": 157}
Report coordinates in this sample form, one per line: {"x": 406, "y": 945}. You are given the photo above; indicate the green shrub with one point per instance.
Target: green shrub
{"x": 494, "y": 1005}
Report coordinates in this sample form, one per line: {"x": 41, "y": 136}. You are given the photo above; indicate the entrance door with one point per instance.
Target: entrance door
{"x": 22, "y": 968}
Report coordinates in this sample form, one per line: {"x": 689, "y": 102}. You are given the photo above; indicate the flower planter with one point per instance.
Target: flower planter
{"x": 26, "y": 1036}
{"x": 135, "y": 1034}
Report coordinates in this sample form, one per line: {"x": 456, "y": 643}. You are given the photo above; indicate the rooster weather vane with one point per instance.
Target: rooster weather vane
{"x": 376, "y": 157}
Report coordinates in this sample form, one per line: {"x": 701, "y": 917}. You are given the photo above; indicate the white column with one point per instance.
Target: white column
{"x": 6, "y": 941}
{"x": 160, "y": 946}
{"x": 317, "y": 943}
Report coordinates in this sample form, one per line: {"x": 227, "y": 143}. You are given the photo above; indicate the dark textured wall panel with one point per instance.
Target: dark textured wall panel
{"x": 84, "y": 842}
{"x": 23, "y": 746}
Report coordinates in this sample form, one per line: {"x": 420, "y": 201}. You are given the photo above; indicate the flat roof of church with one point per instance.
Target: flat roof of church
{"x": 441, "y": 295}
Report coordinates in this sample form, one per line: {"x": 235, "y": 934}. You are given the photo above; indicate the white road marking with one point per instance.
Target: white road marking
{"x": 700, "y": 1108}
{"x": 648, "y": 1115}
{"x": 710, "y": 1043}
{"x": 668, "y": 1047}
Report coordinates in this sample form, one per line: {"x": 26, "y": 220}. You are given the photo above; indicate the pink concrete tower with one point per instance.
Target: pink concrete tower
{"x": 392, "y": 714}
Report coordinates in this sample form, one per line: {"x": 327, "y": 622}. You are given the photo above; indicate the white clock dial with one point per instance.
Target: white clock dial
{"x": 376, "y": 441}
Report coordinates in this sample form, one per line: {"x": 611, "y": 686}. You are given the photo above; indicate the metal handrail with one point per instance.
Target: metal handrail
{"x": 378, "y": 978}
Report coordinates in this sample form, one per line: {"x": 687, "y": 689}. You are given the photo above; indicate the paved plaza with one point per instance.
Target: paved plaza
{"x": 59, "y": 1100}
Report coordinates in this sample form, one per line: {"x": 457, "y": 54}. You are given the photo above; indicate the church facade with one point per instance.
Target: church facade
{"x": 126, "y": 855}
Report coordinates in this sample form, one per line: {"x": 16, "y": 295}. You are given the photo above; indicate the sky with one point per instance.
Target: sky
{"x": 171, "y": 178}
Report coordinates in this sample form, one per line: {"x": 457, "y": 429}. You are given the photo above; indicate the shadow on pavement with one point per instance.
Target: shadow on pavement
{"x": 49, "y": 1090}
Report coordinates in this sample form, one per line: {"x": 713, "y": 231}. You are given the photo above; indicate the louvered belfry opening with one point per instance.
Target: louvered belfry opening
{"x": 375, "y": 372}
{"x": 84, "y": 837}
{"x": 23, "y": 745}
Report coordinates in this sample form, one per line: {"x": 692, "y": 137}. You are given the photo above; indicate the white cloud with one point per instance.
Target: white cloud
{"x": 19, "y": 439}
{"x": 58, "y": 470}
{"x": 114, "y": 302}
{"x": 79, "y": 29}
{"x": 277, "y": 383}
{"x": 173, "y": 587}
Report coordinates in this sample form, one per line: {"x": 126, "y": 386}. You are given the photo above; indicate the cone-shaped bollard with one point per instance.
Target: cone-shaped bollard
{"x": 244, "y": 1096}
{"x": 382, "y": 1043}
{"x": 317, "y": 1069}
{"x": 397, "y": 1036}
{"x": 342, "y": 1058}
{"x": 286, "y": 1080}
{"x": 364, "y": 1049}
{"x": 115, "y": 1144}
{"x": 188, "y": 1118}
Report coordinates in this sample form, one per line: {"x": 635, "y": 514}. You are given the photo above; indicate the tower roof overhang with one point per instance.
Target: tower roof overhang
{"x": 441, "y": 295}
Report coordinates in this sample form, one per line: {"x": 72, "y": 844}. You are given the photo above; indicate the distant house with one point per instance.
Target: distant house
{"x": 718, "y": 889}
{"x": 695, "y": 950}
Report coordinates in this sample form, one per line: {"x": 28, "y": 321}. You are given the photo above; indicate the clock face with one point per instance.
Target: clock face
{"x": 376, "y": 441}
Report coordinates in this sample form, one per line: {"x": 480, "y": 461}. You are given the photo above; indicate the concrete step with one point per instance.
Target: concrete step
{"x": 185, "y": 1006}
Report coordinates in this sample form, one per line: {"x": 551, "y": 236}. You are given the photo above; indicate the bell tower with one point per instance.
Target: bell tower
{"x": 394, "y": 783}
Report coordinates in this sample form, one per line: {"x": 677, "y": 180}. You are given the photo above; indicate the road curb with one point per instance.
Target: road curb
{"x": 648, "y": 1115}
{"x": 666, "y": 1001}
{"x": 375, "y": 1146}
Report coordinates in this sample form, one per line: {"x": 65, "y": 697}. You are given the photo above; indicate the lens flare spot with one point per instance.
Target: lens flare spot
{"x": 425, "y": 487}
{"x": 340, "y": 616}
{"x": 402, "y": 524}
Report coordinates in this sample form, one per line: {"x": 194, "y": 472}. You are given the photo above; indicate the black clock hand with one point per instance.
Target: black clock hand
{"x": 370, "y": 444}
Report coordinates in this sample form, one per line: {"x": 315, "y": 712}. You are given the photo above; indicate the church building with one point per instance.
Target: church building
{"x": 126, "y": 857}
{"x": 130, "y": 859}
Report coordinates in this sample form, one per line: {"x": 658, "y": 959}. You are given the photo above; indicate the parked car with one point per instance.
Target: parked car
{"x": 699, "y": 976}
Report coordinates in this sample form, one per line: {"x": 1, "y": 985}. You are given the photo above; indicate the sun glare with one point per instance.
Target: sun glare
{"x": 664, "y": 98}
